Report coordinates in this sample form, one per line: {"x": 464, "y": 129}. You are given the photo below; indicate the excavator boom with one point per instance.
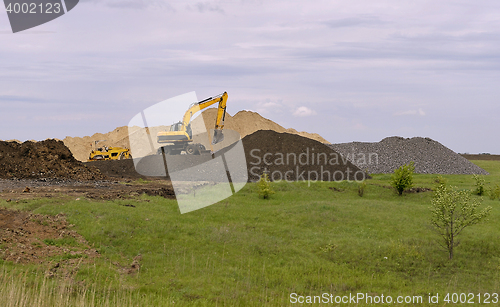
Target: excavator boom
{"x": 181, "y": 133}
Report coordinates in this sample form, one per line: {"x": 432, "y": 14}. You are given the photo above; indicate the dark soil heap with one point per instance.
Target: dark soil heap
{"x": 292, "y": 157}
{"x": 283, "y": 156}
{"x": 39, "y": 160}
{"x": 118, "y": 169}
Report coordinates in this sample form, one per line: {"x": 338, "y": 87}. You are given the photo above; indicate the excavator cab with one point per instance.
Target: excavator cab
{"x": 176, "y": 127}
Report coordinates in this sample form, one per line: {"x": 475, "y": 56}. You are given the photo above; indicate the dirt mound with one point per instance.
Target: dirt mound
{"x": 291, "y": 157}
{"x": 429, "y": 156}
{"x": 117, "y": 169}
{"x": 283, "y": 156}
{"x": 45, "y": 159}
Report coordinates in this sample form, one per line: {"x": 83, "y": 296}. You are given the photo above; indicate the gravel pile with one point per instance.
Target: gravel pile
{"x": 429, "y": 156}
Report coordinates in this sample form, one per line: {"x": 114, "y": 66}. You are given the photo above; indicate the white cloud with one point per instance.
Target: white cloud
{"x": 418, "y": 112}
{"x": 269, "y": 106}
{"x": 303, "y": 112}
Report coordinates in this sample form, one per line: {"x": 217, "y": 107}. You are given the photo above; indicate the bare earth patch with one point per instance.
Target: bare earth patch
{"x": 41, "y": 239}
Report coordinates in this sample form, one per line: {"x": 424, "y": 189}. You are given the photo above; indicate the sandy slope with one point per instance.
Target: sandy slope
{"x": 244, "y": 122}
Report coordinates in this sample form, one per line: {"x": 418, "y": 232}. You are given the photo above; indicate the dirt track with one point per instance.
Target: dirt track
{"x": 16, "y": 190}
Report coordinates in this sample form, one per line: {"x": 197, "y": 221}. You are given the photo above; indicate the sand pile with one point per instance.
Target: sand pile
{"x": 244, "y": 122}
{"x": 247, "y": 122}
{"x": 45, "y": 159}
{"x": 429, "y": 156}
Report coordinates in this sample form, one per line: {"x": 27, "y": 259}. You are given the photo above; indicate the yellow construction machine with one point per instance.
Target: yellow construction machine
{"x": 180, "y": 136}
{"x": 109, "y": 153}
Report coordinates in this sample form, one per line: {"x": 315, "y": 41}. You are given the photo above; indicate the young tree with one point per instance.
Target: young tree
{"x": 479, "y": 185}
{"x": 264, "y": 186}
{"x": 452, "y": 211}
{"x": 402, "y": 178}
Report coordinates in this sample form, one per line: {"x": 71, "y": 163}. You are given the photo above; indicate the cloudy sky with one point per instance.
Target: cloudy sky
{"x": 357, "y": 70}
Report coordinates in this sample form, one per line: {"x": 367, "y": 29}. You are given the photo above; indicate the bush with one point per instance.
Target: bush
{"x": 479, "y": 185}
{"x": 494, "y": 192}
{"x": 402, "y": 178}
{"x": 361, "y": 188}
{"x": 264, "y": 186}
{"x": 452, "y": 211}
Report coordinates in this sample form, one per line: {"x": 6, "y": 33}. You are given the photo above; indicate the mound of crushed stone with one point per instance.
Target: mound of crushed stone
{"x": 292, "y": 157}
{"x": 429, "y": 156}
{"x": 39, "y": 160}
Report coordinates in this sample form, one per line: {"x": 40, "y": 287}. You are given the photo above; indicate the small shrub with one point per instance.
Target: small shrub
{"x": 494, "y": 192}
{"x": 402, "y": 178}
{"x": 361, "y": 188}
{"x": 452, "y": 211}
{"x": 479, "y": 185}
{"x": 264, "y": 186}
{"x": 440, "y": 180}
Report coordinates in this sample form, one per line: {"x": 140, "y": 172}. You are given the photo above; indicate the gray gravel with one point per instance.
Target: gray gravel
{"x": 429, "y": 156}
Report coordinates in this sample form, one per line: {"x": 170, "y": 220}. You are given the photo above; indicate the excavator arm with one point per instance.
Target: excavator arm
{"x": 164, "y": 137}
{"x": 221, "y": 114}
{"x": 219, "y": 122}
{"x": 198, "y": 106}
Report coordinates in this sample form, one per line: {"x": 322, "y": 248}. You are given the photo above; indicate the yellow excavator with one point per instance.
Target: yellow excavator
{"x": 180, "y": 136}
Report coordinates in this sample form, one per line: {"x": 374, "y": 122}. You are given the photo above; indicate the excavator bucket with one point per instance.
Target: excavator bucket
{"x": 218, "y": 136}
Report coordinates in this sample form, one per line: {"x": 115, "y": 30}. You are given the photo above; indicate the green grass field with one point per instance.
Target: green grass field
{"x": 247, "y": 251}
